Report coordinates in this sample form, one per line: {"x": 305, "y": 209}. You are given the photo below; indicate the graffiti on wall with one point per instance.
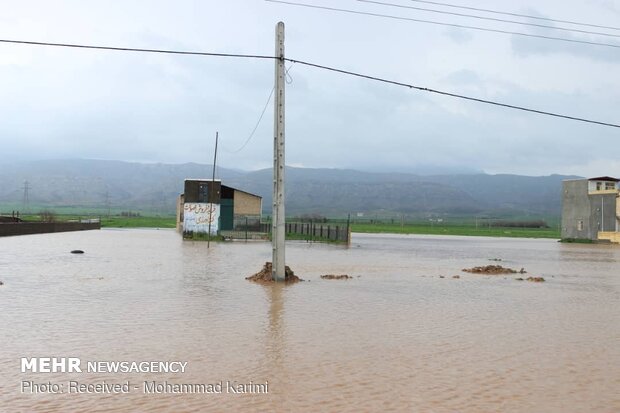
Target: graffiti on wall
{"x": 196, "y": 217}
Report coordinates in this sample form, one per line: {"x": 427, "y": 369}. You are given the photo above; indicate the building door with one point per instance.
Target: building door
{"x": 226, "y": 214}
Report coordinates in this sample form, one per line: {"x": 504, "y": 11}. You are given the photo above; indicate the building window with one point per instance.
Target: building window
{"x": 203, "y": 192}
{"x": 599, "y": 186}
{"x": 580, "y": 225}
{"x": 610, "y": 185}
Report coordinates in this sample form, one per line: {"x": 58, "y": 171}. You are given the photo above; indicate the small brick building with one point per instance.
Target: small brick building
{"x": 226, "y": 208}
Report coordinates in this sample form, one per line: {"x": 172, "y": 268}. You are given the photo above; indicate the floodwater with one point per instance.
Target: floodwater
{"x": 397, "y": 337}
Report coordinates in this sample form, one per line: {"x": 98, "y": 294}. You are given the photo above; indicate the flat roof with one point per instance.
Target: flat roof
{"x": 203, "y": 180}
{"x": 605, "y": 178}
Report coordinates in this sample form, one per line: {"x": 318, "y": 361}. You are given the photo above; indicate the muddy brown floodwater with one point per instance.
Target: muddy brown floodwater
{"x": 396, "y": 337}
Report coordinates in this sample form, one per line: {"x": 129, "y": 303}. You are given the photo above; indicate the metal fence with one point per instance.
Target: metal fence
{"x": 315, "y": 231}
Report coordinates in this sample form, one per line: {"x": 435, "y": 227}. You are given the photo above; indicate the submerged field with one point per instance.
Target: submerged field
{"x": 404, "y": 334}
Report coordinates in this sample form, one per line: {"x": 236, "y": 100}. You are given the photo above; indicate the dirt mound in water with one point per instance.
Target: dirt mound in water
{"x": 336, "y": 277}
{"x": 492, "y": 269}
{"x": 532, "y": 279}
{"x": 264, "y": 275}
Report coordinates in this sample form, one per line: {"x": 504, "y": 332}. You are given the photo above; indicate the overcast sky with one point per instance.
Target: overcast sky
{"x": 70, "y": 103}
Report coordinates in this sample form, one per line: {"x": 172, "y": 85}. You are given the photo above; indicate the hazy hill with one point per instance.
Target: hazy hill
{"x": 154, "y": 187}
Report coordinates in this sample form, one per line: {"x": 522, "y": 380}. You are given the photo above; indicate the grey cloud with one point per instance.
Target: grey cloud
{"x": 527, "y": 46}
{"x": 58, "y": 103}
{"x": 608, "y": 5}
{"x": 463, "y": 77}
{"x": 458, "y": 35}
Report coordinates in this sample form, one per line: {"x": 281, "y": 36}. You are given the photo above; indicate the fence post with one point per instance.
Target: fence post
{"x": 348, "y": 229}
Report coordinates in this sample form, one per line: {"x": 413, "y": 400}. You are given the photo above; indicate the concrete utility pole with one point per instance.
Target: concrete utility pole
{"x": 277, "y": 228}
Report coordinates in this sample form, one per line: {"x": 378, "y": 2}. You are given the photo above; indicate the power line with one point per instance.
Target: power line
{"x": 455, "y": 95}
{"x": 332, "y": 69}
{"x": 257, "y": 123}
{"x": 460, "y": 26}
{"x": 260, "y": 118}
{"x": 133, "y": 49}
{"x": 473, "y": 16}
{"x": 436, "y": 3}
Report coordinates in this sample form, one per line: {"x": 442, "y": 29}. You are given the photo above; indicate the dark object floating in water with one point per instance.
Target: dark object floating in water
{"x": 1, "y": 283}
{"x": 77, "y": 252}
{"x": 335, "y": 277}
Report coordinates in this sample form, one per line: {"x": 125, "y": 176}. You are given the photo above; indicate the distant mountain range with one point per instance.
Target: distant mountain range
{"x": 327, "y": 192}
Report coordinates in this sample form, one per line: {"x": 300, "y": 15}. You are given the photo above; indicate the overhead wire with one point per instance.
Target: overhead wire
{"x": 288, "y": 80}
{"x": 528, "y": 16}
{"x": 134, "y": 49}
{"x": 328, "y": 68}
{"x": 472, "y": 16}
{"x": 460, "y": 26}
{"x": 256, "y": 125}
{"x": 455, "y": 95}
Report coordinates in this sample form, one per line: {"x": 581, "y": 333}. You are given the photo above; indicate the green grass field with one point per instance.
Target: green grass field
{"x": 117, "y": 221}
{"x": 470, "y": 230}
{"x": 465, "y": 226}
{"x": 138, "y": 222}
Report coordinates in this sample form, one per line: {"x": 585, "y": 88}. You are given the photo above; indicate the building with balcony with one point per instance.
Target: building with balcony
{"x": 591, "y": 209}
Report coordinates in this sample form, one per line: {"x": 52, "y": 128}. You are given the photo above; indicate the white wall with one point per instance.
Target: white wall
{"x": 196, "y": 217}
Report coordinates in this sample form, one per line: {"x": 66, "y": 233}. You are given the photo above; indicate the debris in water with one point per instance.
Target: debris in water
{"x": 441, "y": 276}
{"x": 1, "y": 283}
{"x": 456, "y": 276}
{"x": 264, "y": 275}
{"x": 77, "y": 252}
{"x": 336, "y": 277}
{"x": 495, "y": 259}
{"x": 522, "y": 271}
{"x": 519, "y": 279}
{"x": 491, "y": 269}
{"x": 536, "y": 279}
